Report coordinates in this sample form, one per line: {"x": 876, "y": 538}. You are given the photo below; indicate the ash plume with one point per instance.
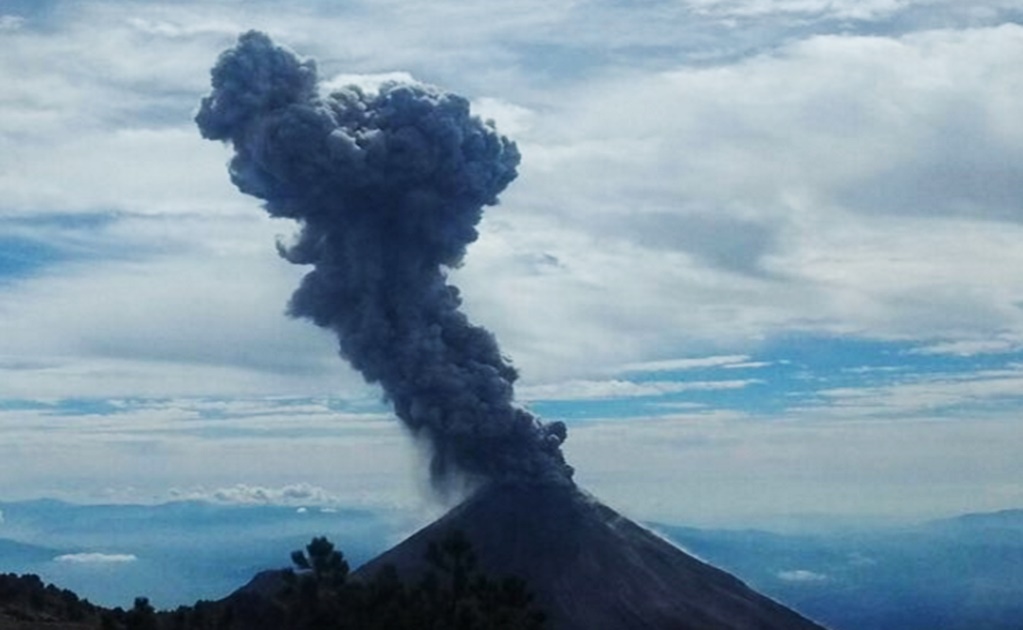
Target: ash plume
{"x": 387, "y": 188}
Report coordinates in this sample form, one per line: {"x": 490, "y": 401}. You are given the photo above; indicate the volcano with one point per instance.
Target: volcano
{"x": 589, "y": 567}
{"x": 388, "y": 187}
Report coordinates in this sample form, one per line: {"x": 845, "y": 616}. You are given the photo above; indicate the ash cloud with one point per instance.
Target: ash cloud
{"x": 387, "y": 187}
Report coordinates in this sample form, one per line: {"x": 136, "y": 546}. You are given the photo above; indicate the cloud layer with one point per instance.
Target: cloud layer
{"x": 299, "y": 494}
{"x": 856, "y": 181}
{"x": 711, "y": 193}
{"x": 96, "y": 558}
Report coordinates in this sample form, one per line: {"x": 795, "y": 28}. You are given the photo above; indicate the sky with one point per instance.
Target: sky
{"x": 762, "y": 257}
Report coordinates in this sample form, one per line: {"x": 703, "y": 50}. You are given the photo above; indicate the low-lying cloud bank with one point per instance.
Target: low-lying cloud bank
{"x": 96, "y": 558}
{"x": 299, "y": 494}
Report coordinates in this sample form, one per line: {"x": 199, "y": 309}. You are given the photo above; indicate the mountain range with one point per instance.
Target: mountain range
{"x": 958, "y": 573}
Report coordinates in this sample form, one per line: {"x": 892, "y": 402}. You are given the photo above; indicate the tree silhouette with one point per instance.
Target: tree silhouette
{"x": 142, "y": 616}
{"x": 325, "y": 564}
{"x": 458, "y": 596}
{"x": 315, "y": 596}
{"x": 452, "y": 595}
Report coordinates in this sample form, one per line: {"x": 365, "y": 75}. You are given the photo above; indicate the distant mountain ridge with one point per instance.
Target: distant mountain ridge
{"x": 182, "y": 550}
{"x": 12, "y": 551}
{"x": 960, "y": 573}
{"x": 1002, "y": 519}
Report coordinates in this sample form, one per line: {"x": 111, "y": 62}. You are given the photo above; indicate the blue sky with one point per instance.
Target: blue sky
{"x": 762, "y": 257}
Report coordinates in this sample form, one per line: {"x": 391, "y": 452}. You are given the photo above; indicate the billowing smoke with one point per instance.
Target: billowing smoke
{"x": 388, "y": 188}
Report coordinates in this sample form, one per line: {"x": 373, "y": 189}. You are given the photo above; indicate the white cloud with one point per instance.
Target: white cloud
{"x": 512, "y": 119}
{"x": 794, "y": 179}
{"x": 727, "y": 467}
{"x": 11, "y": 22}
{"x": 688, "y": 364}
{"x": 858, "y": 559}
{"x": 96, "y": 558}
{"x": 183, "y": 28}
{"x": 300, "y": 494}
{"x": 594, "y": 390}
{"x": 366, "y": 82}
{"x": 921, "y": 395}
{"x": 189, "y": 325}
{"x": 972, "y": 347}
{"x": 844, "y": 9}
{"x": 801, "y": 575}
{"x": 142, "y": 170}
{"x": 729, "y": 209}
{"x": 771, "y": 160}
{"x": 305, "y": 452}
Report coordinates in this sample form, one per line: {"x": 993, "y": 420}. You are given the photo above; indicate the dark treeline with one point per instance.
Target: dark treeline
{"x": 26, "y": 600}
{"x": 317, "y": 593}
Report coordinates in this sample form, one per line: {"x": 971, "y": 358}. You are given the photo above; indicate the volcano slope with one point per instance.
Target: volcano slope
{"x": 589, "y": 567}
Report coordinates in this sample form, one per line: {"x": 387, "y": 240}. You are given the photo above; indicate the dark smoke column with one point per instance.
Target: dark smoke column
{"x": 388, "y": 188}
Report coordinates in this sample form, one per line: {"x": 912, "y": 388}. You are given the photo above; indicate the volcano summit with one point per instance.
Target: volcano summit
{"x": 591, "y": 568}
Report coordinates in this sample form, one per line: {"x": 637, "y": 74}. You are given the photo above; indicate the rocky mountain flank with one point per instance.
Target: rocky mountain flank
{"x": 589, "y": 567}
